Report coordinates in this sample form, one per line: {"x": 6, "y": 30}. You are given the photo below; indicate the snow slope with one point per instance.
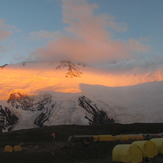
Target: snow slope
{"x": 38, "y": 94}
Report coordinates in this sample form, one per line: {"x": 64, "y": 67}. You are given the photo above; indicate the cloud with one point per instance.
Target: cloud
{"x": 4, "y": 32}
{"x": 88, "y": 38}
{"x": 7, "y": 40}
{"x": 133, "y": 66}
{"x": 42, "y": 34}
{"x": 1, "y": 49}
{"x": 137, "y": 45}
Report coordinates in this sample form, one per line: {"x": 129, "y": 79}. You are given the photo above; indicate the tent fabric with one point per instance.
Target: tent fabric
{"x": 129, "y": 137}
{"x": 127, "y": 153}
{"x": 17, "y": 148}
{"x": 104, "y": 138}
{"x": 122, "y": 137}
{"x": 148, "y": 148}
{"x": 159, "y": 143}
{"x": 8, "y": 148}
{"x": 136, "y": 137}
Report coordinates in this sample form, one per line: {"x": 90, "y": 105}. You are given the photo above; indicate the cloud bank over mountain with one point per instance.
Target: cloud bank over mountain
{"x": 87, "y": 37}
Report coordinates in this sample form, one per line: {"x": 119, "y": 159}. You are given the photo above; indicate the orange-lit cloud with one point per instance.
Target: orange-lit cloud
{"x": 33, "y": 78}
{"x": 87, "y": 37}
{"x": 4, "y": 33}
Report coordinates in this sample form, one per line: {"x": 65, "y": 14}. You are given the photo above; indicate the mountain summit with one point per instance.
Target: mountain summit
{"x": 72, "y": 69}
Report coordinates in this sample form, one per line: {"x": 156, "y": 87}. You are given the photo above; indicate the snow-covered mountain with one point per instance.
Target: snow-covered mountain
{"x": 38, "y": 94}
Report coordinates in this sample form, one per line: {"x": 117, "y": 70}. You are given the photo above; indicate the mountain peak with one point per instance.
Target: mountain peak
{"x": 73, "y": 69}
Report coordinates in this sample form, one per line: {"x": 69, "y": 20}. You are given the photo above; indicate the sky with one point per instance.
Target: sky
{"x": 115, "y": 35}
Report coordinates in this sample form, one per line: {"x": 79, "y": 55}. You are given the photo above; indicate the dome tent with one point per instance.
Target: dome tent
{"x": 8, "y": 148}
{"x": 102, "y": 138}
{"x": 127, "y": 153}
{"x": 159, "y": 143}
{"x": 128, "y": 137}
{"x": 148, "y": 148}
{"x": 17, "y": 148}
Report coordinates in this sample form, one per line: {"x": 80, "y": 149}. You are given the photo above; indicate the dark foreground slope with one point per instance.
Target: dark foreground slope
{"x": 38, "y": 145}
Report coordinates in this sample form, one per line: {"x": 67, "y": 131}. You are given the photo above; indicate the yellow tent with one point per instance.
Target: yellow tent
{"x": 159, "y": 143}
{"x": 17, "y": 148}
{"x": 122, "y": 137}
{"x": 103, "y": 138}
{"x": 128, "y": 137}
{"x": 136, "y": 137}
{"x": 8, "y": 148}
{"x": 148, "y": 148}
{"x": 127, "y": 153}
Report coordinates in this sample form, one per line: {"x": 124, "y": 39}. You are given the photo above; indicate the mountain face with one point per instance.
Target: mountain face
{"x": 42, "y": 104}
{"x": 44, "y": 94}
{"x": 32, "y": 103}
{"x": 47, "y": 106}
{"x": 72, "y": 69}
{"x": 44, "y": 108}
{"x": 7, "y": 119}
{"x": 97, "y": 116}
